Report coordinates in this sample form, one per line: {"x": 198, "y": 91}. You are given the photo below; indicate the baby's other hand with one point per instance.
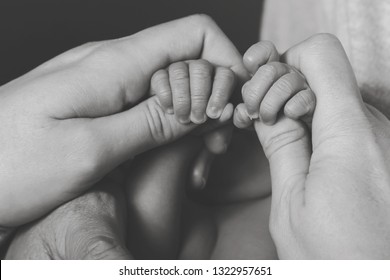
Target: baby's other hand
{"x": 273, "y": 87}
{"x": 193, "y": 90}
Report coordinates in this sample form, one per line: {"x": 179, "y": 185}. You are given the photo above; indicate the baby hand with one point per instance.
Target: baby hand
{"x": 273, "y": 87}
{"x": 194, "y": 90}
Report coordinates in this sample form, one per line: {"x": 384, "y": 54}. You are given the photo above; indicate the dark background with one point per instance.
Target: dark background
{"x": 33, "y": 31}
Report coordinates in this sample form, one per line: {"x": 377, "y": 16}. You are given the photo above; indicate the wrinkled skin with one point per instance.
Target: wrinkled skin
{"x": 75, "y": 118}
{"x": 163, "y": 221}
{"x": 330, "y": 188}
{"x": 332, "y": 183}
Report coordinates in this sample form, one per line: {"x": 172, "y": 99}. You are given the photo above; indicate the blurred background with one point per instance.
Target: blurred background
{"x": 33, "y": 31}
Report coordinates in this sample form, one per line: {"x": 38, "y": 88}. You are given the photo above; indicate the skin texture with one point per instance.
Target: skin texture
{"x": 336, "y": 182}
{"x": 165, "y": 218}
{"x": 88, "y": 227}
{"x": 274, "y": 88}
{"x": 85, "y": 114}
{"x": 196, "y": 91}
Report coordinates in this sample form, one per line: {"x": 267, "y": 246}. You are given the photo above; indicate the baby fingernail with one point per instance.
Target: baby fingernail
{"x": 198, "y": 118}
{"x": 213, "y": 112}
{"x": 183, "y": 120}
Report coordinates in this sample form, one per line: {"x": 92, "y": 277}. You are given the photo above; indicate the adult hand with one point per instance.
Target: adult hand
{"x": 66, "y": 124}
{"x": 330, "y": 192}
{"x": 91, "y": 226}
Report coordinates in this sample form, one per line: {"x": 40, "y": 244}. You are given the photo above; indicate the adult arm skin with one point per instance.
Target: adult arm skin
{"x": 75, "y": 118}
{"x": 330, "y": 191}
